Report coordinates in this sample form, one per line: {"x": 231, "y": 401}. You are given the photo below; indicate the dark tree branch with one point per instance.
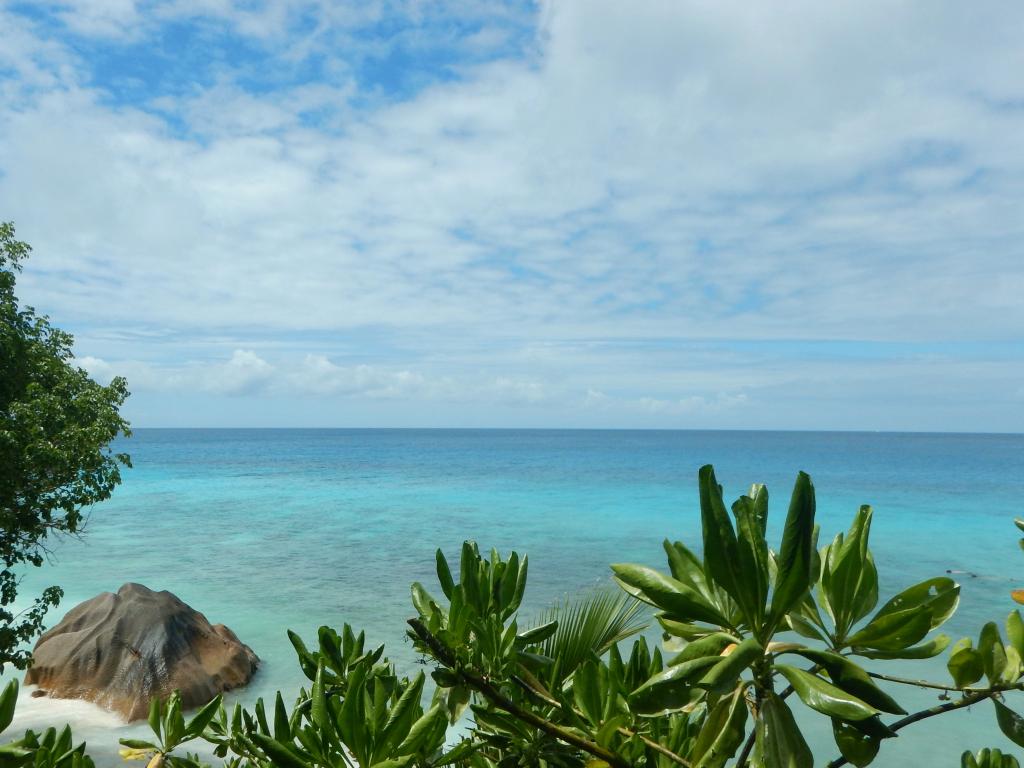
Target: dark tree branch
{"x": 444, "y": 654}
{"x": 971, "y": 698}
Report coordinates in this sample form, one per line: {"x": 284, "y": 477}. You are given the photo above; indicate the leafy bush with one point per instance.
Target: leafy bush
{"x": 56, "y": 425}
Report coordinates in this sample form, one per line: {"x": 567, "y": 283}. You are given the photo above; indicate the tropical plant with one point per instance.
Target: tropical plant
{"x": 49, "y": 749}
{"x": 56, "y": 425}
{"x": 988, "y": 758}
{"x": 731, "y": 606}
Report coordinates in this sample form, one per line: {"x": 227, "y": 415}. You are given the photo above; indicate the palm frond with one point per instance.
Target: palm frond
{"x": 589, "y": 625}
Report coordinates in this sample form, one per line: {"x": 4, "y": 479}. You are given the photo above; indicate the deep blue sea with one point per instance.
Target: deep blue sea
{"x": 265, "y": 530}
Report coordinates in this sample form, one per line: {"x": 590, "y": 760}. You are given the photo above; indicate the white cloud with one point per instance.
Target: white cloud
{"x": 645, "y": 171}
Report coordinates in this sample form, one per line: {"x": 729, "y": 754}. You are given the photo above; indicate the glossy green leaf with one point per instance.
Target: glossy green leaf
{"x": 282, "y": 723}
{"x": 753, "y": 549}
{"x": 778, "y": 741}
{"x": 682, "y": 602}
{"x": 825, "y": 697}
{"x": 857, "y": 747}
{"x": 279, "y": 754}
{"x": 1012, "y": 669}
{"x": 710, "y": 645}
{"x": 988, "y": 758}
{"x": 174, "y": 722}
{"x": 444, "y": 574}
{"x": 805, "y": 628}
{"x": 925, "y": 650}
{"x": 319, "y": 713}
{"x": 1010, "y": 723}
{"x": 723, "y": 675}
{"x": 940, "y": 595}
{"x": 894, "y": 631}
{"x": 507, "y": 586}
{"x": 849, "y": 579}
{"x": 138, "y": 744}
{"x": 671, "y": 689}
{"x": 8, "y": 699}
{"x": 401, "y": 717}
{"x": 722, "y": 562}
{"x": 155, "y": 717}
{"x": 965, "y": 664}
{"x": 421, "y": 600}
{"x": 722, "y": 733}
{"x": 1015, "y": 631}
{"x": 794, "y": 560}
{"x": 993, "y": 654}
{"x": 686, "y": 567}
{"x": 853, "y": 679}
{"x": 684, "y": 630}
{"x": 538, "y": 634}
{"x": 202, "y": 718}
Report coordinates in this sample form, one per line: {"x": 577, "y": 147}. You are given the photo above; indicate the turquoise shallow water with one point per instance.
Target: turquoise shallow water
{"x": 269, "y": 529}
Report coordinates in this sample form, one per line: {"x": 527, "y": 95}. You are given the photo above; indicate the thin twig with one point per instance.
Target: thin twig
{"x": 492, "y": 694}
{"x": 940, "y": 686}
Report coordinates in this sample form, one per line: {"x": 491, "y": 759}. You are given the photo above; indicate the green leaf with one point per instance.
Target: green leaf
{"x": 318, "y": 711}
{"x": 671, "y": 689}
{"x": 722, "y": 677}
{"x": 402, "y": 715}
{"x": 138, "y": 744}
{"x": 280, "y": 755}
{"x": 858, "y": 748}
{"x": 444, "y": 574}
{"x": 939, "y": 595}
{"x": 927, "y": 650}
{"x": 794, "y": 561}
{"x": 174, "y": 723}
{"x": 684, "y": 630}
{"x": 965, "y": 664}
{"x": 849, "y": 579}
{"x": 674, "y": 597}
{"x": 722, "y": 733}
{"x": 753, "y": 549}
{"x": 1012, "y": 670}
{"x": 537, "y": 634}
{"x": 853, "y": 679}
{"x": 202, "y": 718}
{"x": 1010, "y": 723}
{"x": 686, "y": 567}
{"x": 710, "y": 645}
{"x": 421, "y": 600}
{"x": 1015, "y": 631}
{"x": 825, "y": 697}
{"x": 155, "y": 716}
{"x": 894, "y": 631}
{"x": 722, "y": 562}
{"x": 993, "y": 654}
{"x": 8, "y": 700}
{"x": 778, "y": 741}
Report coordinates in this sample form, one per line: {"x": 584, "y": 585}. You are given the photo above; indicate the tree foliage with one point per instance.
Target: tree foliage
{"x": 56, "y": 425}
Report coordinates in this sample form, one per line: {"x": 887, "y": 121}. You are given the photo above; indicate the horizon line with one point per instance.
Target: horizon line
{"x": 589, "y": 429}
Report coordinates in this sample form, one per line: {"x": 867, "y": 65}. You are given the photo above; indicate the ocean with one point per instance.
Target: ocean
{"x": 265, "y": 530}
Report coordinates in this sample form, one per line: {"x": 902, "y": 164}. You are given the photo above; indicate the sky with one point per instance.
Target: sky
{"x": 466, "y": 213}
